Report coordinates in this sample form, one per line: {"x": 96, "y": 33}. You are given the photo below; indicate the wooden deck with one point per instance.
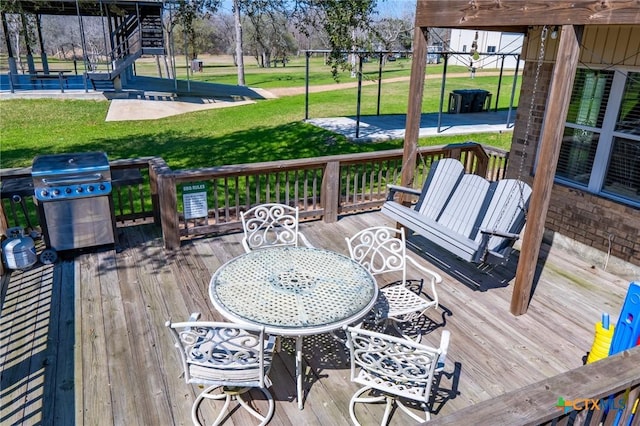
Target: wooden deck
{"x": 83, "y": 341}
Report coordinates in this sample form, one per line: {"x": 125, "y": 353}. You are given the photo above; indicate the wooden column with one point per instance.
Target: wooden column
{"x": 562, "y": 79}
{"x": 414, "y": 109}
{"x": 329, "y": 193}
{"x": 165, "y": 182}
{"x": 156, "y": 165}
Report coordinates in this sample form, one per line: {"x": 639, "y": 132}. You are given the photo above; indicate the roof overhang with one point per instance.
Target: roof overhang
{"x": 517, "y": 15}
{"x": 81, "y": 7}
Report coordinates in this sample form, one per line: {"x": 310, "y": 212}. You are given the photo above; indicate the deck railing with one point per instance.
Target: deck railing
{"x": 605, "y": 392}
{"x": 147, "y": 189}
{"x": 322, "y": 187}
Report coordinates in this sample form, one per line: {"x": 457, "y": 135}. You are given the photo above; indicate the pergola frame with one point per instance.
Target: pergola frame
{"x": 518, "y": 16}
{"x": 380, "y": 54}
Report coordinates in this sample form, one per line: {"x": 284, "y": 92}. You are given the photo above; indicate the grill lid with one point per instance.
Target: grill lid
{"x": 59, "y": 164}
{"x": 79, "y": 175}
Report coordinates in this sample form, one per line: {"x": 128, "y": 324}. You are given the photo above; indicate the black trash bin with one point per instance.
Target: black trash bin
{"x": 465, "y": 98}
{"x": 479, "y": 99}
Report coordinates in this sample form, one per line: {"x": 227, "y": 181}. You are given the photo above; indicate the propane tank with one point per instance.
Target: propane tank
{"x": 18, "y": 250}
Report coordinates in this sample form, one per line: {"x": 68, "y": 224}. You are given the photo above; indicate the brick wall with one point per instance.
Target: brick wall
{"x": 586, "y": 218}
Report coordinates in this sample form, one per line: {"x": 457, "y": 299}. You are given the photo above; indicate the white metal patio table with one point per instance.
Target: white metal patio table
{"x": 293, "y": 291}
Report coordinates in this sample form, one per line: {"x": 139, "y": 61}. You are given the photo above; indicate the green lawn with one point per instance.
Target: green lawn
{"x": 220, "y": 69}
{"x": 265, "y": 131}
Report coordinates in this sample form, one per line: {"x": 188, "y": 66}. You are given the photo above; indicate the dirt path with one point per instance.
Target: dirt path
{"x": 290, "y": 91}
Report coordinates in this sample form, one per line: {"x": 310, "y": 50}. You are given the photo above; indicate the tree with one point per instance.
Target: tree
{"x": 311, "y": 38}
{"x": 187, "y": 13}
{"x": 225, "y": 33}
{"x": 347, "y": 24}
{"x": 239, "y": 49}
{"x": 392, "y": 34}
{"x": 20, "y": 30}
{"x": 181, "y": 16}
{"x": 208, "y": 39}
{"x": 269, "y": 30}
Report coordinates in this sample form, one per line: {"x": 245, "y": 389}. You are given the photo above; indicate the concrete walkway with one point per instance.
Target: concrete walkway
{"x": 389, "y": 127}
{"x": 152, "y": 106}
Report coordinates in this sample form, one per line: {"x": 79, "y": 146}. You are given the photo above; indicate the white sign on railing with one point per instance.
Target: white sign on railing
{"x": 194, "y": 198}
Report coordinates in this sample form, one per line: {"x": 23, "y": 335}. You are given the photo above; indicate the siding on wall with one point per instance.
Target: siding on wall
{"x": 584, "y": 217}
{"x": 601, "y": 45}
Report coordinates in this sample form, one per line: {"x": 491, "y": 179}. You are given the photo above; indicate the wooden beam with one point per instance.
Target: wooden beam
{"x": 491, "y": 13}
{"x": 414, "y": 108}
{"x": 564, "y": 72}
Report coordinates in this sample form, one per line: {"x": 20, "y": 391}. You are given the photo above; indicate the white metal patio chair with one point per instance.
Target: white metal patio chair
{"x": 227, "y": 357}
{"x": 391, "y": 369}
{"x": 382, "y": 250}
{"x": 271, "y": 224}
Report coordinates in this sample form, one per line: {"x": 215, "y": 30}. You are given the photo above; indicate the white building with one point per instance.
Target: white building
{"x": 490, "y": 44}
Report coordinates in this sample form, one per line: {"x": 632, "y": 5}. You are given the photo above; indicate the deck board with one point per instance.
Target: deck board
{"x": 85, "y": 338}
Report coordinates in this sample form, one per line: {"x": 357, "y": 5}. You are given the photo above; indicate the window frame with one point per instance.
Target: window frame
{"x": 607, "y": 135}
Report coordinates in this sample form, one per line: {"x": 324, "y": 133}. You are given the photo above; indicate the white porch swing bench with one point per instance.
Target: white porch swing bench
{"x": 474, "y": 219}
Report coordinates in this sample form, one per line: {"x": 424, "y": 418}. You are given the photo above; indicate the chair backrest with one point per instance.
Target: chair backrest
{"x": 394, "y": 365}
{"x": 504, "y": 210}
{"x": 379, "y": 249}
{"x": 465, "y": 205}
{"x": 443, "y": 177}
{"x": 222, "y": 353}
{"x": 269, "y": 225}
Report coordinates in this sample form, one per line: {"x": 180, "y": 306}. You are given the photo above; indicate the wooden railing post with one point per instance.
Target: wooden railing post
{"x": 4, "y": 225}
{"x": 154, "y": 165}
{"x": 330, "y": 191}
{"x": 455, "y": 151}
{"x": 482, "y": 162}
{"x": 168, "y": 204}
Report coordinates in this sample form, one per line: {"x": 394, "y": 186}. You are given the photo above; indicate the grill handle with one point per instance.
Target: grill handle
{"x": 70, "y": 180}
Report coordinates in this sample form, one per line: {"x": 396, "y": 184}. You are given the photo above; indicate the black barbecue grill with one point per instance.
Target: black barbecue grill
{"x": 73, "y": 193}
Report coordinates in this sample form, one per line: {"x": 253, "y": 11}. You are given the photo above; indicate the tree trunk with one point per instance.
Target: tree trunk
{"x": 158, "y": 66}
{"x": 167, "y": 66}
{"x": 239, "y": 49}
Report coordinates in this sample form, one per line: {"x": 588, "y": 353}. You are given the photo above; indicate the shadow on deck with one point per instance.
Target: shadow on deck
{"x": 83, "y": 340}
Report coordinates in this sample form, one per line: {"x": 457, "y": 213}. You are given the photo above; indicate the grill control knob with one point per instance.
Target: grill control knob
{"x": 44, "y": 193}
{"x": 67, "y": 190}
{"x": 56, "y": 192}
{"x": 101, "y": 187}
{"x": 79, "y": 190}
{"x": 90, "y": 188}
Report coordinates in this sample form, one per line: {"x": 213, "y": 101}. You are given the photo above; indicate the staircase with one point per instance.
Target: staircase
{"x": 137, "y": 33}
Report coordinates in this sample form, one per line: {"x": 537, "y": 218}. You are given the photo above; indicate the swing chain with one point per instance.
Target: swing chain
{"x": 525, "y": 143}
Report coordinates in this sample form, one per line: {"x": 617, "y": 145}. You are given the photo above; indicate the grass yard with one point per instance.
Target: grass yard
{"x": 221, "y": 69}
{"x": 265, "y": 131}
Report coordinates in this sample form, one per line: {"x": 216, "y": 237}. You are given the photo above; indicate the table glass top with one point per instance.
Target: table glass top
{"x": 293, "y": 287}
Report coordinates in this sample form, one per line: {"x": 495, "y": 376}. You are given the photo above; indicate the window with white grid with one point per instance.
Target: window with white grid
{"x": 600, "y": 149}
